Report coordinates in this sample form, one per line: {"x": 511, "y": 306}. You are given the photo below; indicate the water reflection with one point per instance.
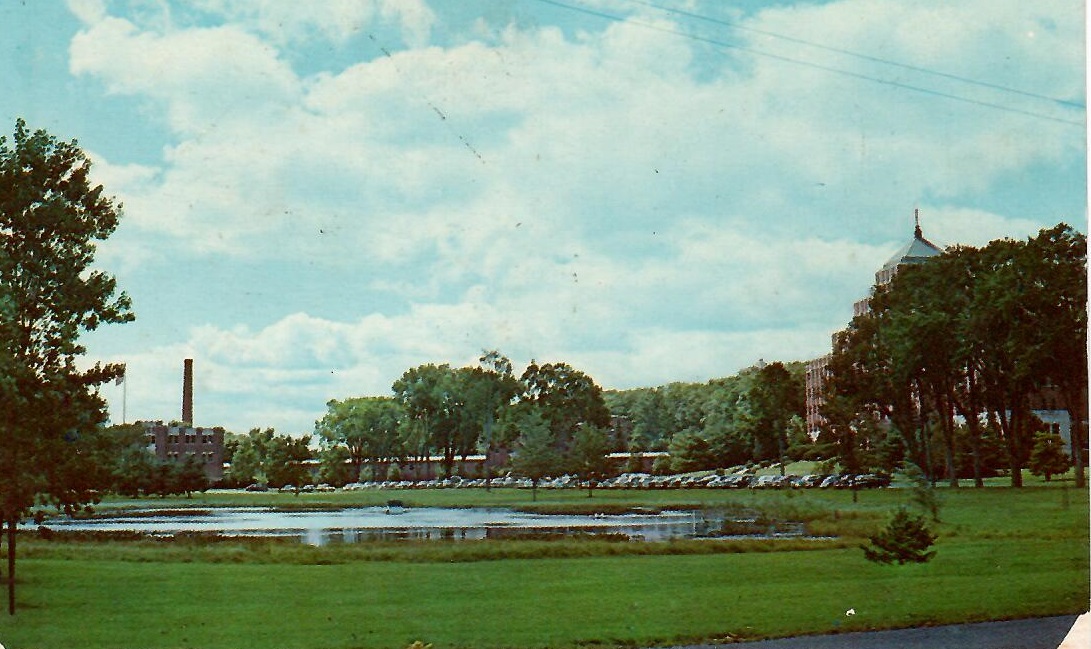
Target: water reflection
{"x": 425, "y": 523}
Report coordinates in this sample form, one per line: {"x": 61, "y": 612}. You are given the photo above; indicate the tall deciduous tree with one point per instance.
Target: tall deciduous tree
{"x": 429, "y": 395}
{"x": 489, "y": 390}
{"x": 775, "y": 396}
{"x": 265, "y": 456}
{"x": 566, "y": 397}
{"x": 50, "y": 218}
{"x": 1061, "y": 252}
{"x": 285, "y": 461}
{"x": 367, "y": 427}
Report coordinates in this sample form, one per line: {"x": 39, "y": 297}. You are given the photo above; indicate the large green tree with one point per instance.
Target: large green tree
{"x": 51, "y": 217}
{"x": 774, "y": 397}
{"x": 248, "y": 455}
{"x": 431, "y": 398}
{"x": 367, "y": 427}
{"x": 566, "y": 397}
{"x": 488, "y": 392}
{"x": 1061, "y": 256}
{"x": 284, "y": 464}
{"x": 264, "y": 456}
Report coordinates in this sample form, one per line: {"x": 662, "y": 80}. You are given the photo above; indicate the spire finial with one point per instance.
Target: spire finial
{"x": 917, "y": 223}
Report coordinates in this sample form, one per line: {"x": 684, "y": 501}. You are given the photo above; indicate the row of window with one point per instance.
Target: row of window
{"x": 206, "y": 438}
{"x": 207, "y": 457}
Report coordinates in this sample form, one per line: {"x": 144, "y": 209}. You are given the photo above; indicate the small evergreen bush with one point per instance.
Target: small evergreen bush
{"x": 1048, "y": 457}
{"x": 905, "y": 539}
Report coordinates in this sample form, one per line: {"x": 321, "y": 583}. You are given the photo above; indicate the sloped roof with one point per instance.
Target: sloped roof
{"x": 914, "y": 252}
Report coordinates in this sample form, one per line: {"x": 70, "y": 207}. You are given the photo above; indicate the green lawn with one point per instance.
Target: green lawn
{"x": 1002, "y": 553}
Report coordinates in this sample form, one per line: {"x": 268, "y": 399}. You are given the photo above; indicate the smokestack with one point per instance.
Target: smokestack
{"x": 187, "y": 392}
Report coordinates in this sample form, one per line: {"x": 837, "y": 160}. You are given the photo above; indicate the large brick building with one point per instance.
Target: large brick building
{"x": 177, "y": 441}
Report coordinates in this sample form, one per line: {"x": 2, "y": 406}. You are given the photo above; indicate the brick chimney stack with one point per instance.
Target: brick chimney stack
{"x": 187, "y": 392}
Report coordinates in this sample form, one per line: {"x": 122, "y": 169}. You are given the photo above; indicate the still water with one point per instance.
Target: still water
{"x": 356, "y": 524}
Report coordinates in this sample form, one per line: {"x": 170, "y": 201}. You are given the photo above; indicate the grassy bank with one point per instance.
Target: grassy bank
{"x": 1002, "y": 554}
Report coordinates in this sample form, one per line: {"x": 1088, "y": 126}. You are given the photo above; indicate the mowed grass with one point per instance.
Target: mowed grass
{"x": 1002, "y": 554}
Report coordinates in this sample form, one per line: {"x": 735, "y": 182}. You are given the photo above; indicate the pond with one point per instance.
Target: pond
{"x": 395, "y": 522}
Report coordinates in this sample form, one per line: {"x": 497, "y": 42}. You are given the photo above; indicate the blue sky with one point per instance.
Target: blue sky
{"x": 319, "y": 196}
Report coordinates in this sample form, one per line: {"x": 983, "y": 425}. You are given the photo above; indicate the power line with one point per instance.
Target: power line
{"x": 809, "y": 64}
{"x": 442, "y": 116}
{"x": 858, "y": 55}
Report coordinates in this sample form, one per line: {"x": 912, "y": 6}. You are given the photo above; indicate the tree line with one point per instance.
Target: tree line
{"x": 752, "y": 417}
{"x": 556, "y": 419}
{"x": 453, "y": 412}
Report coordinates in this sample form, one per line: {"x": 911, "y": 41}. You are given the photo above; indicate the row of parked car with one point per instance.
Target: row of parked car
{"x": 746, "y": 481}
{"x": 625, "y": 481}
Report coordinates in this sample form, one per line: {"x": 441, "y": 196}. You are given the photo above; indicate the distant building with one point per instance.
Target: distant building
{"x": 917, "y": 251}
{"x": 1045, "y": 404}
{"x": 177, "y": 441}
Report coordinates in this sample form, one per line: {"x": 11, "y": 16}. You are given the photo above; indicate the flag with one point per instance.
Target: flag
{"x": 121, "y": 377}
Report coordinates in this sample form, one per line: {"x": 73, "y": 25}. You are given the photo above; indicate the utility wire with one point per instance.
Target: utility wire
{"x": 864, "y": 77}
{"x": 858, "y": 55}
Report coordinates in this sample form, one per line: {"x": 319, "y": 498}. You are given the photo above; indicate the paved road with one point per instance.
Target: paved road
{"x": 1035, "y": 633}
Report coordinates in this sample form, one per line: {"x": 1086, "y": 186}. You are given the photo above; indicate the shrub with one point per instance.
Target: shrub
{"x": 906, "y": 538}
{"x": 1048, "y": 457}
{"x": 661, "y": 465}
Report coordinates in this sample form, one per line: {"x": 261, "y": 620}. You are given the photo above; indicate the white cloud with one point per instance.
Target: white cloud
{"x": 208, "y": 79}
{"x": 973, "y": 227}
{"x": 642, "y": 204}
{"x": 403, "y": 134}
{"x": 300, "y": 361}
{"x": 285, "y": 21}
{"x": 88, "y": 11}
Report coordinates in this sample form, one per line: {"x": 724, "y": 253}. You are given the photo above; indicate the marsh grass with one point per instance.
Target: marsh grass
{"x": 207, "y": 548}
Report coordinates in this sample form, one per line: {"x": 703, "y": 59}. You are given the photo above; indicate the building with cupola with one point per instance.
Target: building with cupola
{"x": 917, "y": 251}
{"x": 1045, "y": 404}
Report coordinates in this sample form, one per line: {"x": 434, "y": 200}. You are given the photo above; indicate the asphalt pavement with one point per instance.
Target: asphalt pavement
{"x": 1033, "y": 633}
